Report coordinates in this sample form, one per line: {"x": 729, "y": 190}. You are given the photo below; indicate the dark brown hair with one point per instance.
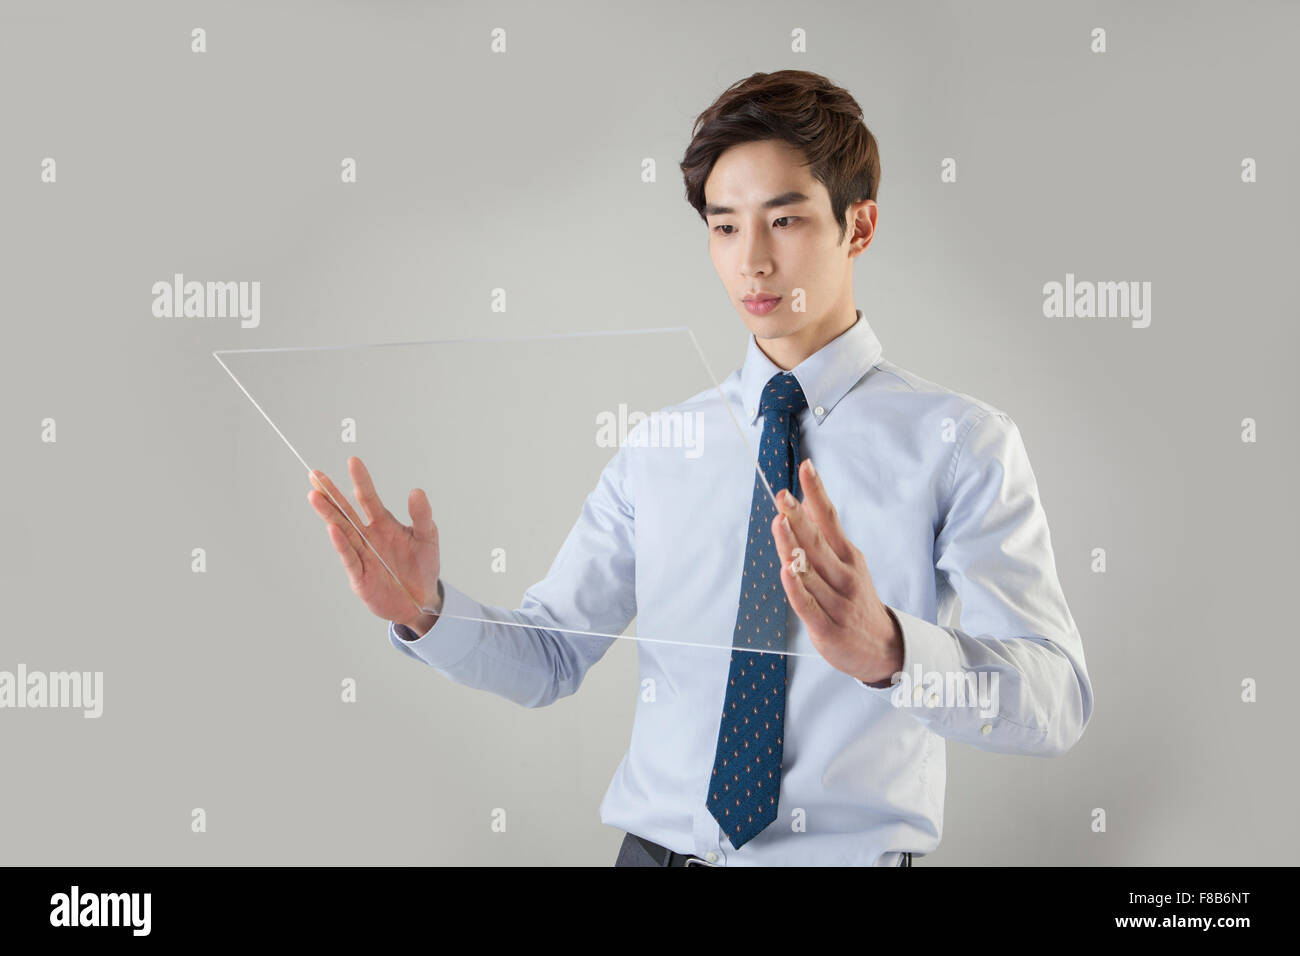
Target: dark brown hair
{"x": 803, "y": 109}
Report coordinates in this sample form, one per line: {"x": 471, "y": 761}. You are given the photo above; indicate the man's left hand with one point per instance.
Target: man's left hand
{"x": 834, "y": 595}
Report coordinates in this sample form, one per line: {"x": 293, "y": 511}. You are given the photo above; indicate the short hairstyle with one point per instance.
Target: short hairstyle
{"x": 803, "y": 109}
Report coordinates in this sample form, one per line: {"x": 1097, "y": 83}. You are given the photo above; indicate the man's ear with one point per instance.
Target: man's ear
{"x": 860, "y": 216}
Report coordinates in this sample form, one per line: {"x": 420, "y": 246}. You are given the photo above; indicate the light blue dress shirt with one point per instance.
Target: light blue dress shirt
{"x": 933, "y": 486}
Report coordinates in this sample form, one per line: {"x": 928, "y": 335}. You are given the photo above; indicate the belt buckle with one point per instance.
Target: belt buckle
{"x": 697, "y": 861}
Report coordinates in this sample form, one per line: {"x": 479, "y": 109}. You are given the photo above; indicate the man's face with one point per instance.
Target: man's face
{"x": 772, "y": 233}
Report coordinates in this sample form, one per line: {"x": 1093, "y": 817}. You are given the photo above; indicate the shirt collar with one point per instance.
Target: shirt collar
{"x": 825, "y": 376}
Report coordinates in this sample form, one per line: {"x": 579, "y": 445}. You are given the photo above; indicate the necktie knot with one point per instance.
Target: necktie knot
{"x": 782, "y": 395}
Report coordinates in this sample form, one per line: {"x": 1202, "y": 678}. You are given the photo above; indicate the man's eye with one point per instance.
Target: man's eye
{"x": 786, "y": 219}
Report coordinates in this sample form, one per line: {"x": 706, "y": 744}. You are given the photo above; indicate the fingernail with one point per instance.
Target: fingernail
{"x": 785, "y": 522}
{"x": 812, "y": 469}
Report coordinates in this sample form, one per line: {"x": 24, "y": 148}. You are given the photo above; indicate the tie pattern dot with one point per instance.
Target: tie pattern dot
{"x": 745, "y": 785}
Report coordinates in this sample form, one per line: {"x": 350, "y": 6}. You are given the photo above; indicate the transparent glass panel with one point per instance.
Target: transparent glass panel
{"x": 508, "y": 437}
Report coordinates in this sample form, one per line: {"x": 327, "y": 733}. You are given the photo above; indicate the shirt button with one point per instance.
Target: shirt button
{"x": 934, "y": 700}
{"x": 819, "y": 411}
{"x": 987, "y": 728}
{"x": 753, "y": 412}
{"x": 711, "y": 857}
{"x": 918, "y": 694}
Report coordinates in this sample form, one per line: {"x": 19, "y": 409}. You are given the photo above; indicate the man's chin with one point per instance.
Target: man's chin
{"x": 774, "y": 325}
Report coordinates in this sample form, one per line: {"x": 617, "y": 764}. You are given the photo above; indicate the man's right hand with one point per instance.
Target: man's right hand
{"x": 411, "y": 551}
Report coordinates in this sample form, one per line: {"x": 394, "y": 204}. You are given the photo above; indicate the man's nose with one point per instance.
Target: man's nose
{"x": 755, "y": 261}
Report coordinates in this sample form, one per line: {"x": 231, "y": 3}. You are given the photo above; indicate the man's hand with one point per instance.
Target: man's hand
{"x": 833, "y": 594}
{"x": 409, "y": 551}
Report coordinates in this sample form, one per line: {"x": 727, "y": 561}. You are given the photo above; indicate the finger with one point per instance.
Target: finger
{"x": 835, "y": 606}
{"x": 421, "y": 516}
{"x": 340, "y": 500}
{"x": 822, "y": 510}
{"x": 810, "y": 538}
{"x": 809, "y": 611}
{"x": 330, "y": 512}
{"x": 364, "y": 489}
{"x": 352, "y": 562}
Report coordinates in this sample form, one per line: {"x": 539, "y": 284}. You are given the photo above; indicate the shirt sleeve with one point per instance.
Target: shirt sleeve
{"x": 1013, "y": 678}
{"x": 591, "y": 587}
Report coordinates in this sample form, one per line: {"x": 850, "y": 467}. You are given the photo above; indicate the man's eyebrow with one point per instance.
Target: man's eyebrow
{"x": 785, "y": 199}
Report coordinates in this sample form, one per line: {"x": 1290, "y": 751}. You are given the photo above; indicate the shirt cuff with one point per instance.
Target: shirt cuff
{"x": 926, "y": 648}
{"x": 451, "y": 639}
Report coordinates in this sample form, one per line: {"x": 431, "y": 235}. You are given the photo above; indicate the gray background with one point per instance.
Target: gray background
{"x": 522, "y": 170}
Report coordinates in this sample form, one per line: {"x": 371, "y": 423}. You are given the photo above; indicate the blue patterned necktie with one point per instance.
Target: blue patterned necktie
{"x": 746, "y": 780}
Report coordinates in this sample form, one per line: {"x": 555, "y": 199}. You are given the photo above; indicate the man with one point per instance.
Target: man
{"x": 795, "y": 747}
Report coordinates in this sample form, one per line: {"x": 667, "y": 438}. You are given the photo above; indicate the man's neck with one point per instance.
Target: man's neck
{"x": 788, "y": 351}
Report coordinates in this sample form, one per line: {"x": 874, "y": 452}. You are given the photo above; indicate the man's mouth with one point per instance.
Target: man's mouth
{"x": 761, "y": 304}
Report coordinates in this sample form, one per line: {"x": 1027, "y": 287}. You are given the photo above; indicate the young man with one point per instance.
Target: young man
{"x": 919, "y": 496}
